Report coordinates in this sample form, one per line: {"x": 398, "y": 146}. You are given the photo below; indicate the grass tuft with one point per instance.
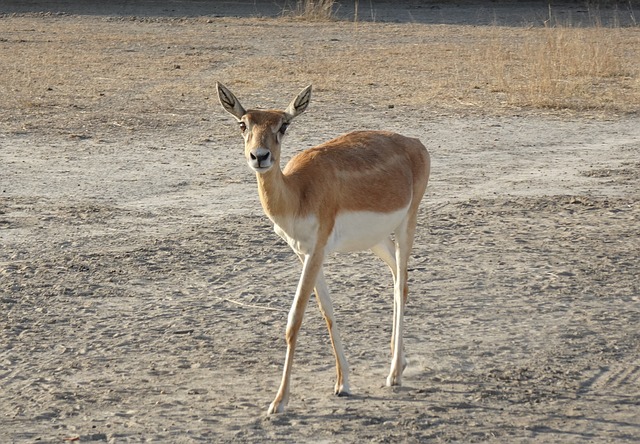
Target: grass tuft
{"x": 562, "y": 68}
{"x": 313, "y": 10}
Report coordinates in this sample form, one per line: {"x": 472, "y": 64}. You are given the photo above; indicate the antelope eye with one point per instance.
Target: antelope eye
{"x": 243, "y": 127}
{"x": 283, "y": 128}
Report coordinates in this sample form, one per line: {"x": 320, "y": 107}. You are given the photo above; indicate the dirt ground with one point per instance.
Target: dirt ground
{"x": 144, "y": 295}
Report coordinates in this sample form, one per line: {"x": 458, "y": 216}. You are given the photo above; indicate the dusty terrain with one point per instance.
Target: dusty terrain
{"x": 143, "y": 295}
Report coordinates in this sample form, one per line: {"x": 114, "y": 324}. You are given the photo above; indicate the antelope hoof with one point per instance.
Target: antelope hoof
{"x": 342, "y": 393}
{"x": 276, "y": 407}
{"x": 393, "y": 380}
{"x": 342, "y": 390}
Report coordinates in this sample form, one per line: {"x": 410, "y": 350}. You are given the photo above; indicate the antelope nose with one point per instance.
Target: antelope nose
{"x": 261, "y": 156}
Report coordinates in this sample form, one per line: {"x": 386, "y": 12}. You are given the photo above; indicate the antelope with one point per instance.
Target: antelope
{"x": 348, "y": 194}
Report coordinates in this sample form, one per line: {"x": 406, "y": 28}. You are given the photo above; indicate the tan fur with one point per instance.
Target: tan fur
{"x": 360, "y": 171}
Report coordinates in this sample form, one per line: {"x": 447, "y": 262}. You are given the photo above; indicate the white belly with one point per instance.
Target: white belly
{"x": 359, "y": 231}
{"x": 352, "y": 231}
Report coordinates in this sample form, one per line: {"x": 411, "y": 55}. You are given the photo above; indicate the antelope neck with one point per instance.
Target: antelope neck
{"x": 277, "y": 198}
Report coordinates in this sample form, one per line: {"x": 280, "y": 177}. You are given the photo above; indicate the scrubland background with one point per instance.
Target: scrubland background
{"x": 144, "y": 295}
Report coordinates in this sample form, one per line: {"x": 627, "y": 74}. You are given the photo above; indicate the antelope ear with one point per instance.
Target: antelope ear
{"x": 299, "y": 104}
{"x": 229, "y": 101}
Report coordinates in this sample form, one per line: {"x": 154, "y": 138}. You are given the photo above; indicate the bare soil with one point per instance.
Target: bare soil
{"x": 144, "y": 296}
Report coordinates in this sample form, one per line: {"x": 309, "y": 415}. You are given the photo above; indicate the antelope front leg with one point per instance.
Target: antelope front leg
{"x": 311, "y": 267}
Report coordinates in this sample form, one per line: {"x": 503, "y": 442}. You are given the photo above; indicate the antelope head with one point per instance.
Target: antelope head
{"x": 262, "y": 130}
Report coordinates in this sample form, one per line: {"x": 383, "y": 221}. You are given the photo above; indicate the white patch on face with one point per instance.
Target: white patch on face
{"x": 262, "y": 169}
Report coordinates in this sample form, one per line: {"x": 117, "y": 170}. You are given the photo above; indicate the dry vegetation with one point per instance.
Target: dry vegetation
{"x": 557, "y": 67}
{"x": 311, "y": 9}
{"x": 565, "y": 68}
{"x": 55, "y": 69}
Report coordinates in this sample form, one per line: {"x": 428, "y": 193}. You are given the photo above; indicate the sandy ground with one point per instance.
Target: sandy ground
{"x": 144, "y": 295}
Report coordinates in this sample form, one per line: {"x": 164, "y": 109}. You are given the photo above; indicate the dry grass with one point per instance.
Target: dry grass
{"x": 315, "y": 10}
{"x": 491, "y": 69}
{"x": 160, "y": 73}
{"x": 565, "y": 68}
